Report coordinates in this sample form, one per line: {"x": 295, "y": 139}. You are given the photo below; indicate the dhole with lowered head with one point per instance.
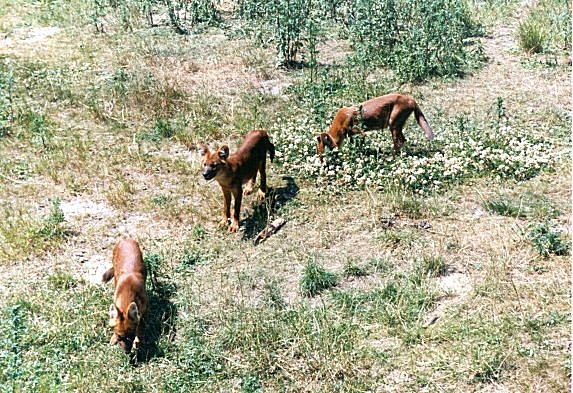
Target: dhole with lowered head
{"x": 391, "y": 110}
{"x": 232, "y": 171}
{"x": 130, "y": 301}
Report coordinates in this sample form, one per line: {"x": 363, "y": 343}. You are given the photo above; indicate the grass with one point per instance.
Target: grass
{"x": 97, "y": 138}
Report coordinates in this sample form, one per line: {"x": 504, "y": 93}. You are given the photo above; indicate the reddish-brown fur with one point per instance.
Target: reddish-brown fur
{"x": 130, "y": 301}
{"x": 241, "y": 167}
{"x": 391, "y": 110}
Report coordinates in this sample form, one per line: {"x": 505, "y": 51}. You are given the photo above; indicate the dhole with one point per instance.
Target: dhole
{"x": 241, "y": 167}
{"x": 130, "y": 299}
{"x": 391, "y": 110}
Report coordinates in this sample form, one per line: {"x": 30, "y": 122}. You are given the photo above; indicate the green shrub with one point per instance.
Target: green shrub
{"x": 417, "y": 39}
{"x": 315, "y": 279}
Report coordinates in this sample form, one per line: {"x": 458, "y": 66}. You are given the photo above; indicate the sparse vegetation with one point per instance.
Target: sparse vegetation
{"x": 445, "y": 268}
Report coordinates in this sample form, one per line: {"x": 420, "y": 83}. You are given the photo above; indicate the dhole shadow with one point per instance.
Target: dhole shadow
{"x": 274, "y": 200}
{"x": 160, "y": 320}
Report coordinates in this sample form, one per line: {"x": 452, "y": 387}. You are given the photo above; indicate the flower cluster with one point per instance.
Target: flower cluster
{"x": 457, "y": 153}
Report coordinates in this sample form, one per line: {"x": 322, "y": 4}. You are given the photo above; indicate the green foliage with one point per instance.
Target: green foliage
{"x": 548, "y": 240}
{"x": 290, "y": 23}
{"x": 399, "y": 305}
{"x": 532, "y": 35}
{"x": 417, "y": 39}
{"x": 134, "y": 13}
{"x": 315, "y": 278}
{"x": 433, "y": 43}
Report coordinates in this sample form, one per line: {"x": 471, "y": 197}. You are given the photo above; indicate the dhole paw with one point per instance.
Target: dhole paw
{"x": 261, "y": 195}
{"x": 247, "y": 191}
{"x": 224, "y": 222}
{"x": 234, "y": 227}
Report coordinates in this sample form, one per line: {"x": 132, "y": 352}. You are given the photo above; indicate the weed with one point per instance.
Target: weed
{"x": 395, "y": 238}
{"x": 430, "y": 266}
{"x": 548, "y": 240}
{"x": 380, "y": 265}
{"x": 505, "y": 206}
{"x": 62, "y": 280}
{"x": 351, "y": 268}
{"x": 52, "y": 228}
{"x": 315, "y": 278}
{"x": 120, "y": 195}
{"x": 153, "y": 262}
{"x": 160, "y": 200}
{"x": 250, "y": 384}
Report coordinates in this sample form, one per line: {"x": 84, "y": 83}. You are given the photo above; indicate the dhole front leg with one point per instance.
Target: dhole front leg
{"x": 138, "y": 336}
{"x": 263, "y": 189}
{"x": 238, "y": 194}
{"x": 226, "y": 208}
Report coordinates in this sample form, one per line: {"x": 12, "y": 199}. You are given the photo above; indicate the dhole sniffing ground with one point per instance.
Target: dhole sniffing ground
{"x": 453, "y": 278}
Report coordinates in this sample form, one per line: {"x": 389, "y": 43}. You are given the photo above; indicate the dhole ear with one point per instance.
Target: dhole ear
{"x": 224, "y": 152}
{"x": 132, "y": 312}
{"x": 202, "y": 149}
{"x": 113, "y": 314}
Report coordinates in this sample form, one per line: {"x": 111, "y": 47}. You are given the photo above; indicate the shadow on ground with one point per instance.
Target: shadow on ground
{"x": 160, "y": 321}
{"x": 264, "y": 210}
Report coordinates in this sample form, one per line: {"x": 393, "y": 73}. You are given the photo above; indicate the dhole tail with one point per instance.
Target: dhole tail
{"x": 107, "y": 275}
{"x": 423, "y": 122}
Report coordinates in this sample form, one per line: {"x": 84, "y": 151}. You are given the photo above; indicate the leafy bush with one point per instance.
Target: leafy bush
{"x": 417, "y": 39}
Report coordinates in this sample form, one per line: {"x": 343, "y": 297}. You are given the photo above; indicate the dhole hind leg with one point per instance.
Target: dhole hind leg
{"x": 250, "y": 185}
{"x": 261, "y": 194}
{"x": 226, "y": 208}
{"x": 398, "y": 139}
